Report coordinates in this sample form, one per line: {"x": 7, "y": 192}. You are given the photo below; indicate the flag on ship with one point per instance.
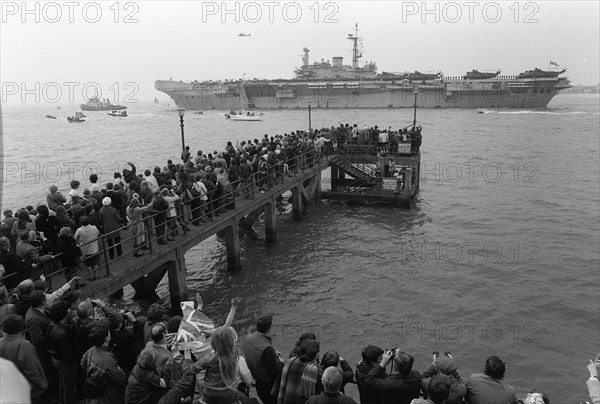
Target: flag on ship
{"x": 553, "y": 63}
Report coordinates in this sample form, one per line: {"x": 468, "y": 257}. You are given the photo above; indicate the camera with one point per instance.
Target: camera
{"x": 394, "y": 350}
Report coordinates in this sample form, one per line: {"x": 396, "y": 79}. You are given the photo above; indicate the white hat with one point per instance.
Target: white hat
{"x": 106, "y": 201}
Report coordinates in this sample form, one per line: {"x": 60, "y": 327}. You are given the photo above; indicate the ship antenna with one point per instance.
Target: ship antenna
{"x": 355, "y": 52}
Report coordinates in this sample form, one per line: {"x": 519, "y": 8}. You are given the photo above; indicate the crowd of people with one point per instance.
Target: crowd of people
{"x": 61, "y": 348}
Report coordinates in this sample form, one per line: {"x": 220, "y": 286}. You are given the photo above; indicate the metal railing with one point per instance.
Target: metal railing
{"x": 374, "y": 148}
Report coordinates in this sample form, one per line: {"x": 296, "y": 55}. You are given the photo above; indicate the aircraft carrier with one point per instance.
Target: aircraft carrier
{"x": 326, "y": 84}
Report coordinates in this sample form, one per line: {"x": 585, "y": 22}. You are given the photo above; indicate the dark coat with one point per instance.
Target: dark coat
{"x": 61, "y": 343}
{"x": 394, "y": 389}
{"x": 153, "y": 363}
{"x": 103, "y": 372}
{"x": 122, "y": 342}
{"x": 109, "y": 220}
{"x": 13, "y": 264}
{"x": 37, "y": 328}
{"x": 18, "y": 350}
{"x": 50, "y": 226}
{"x": 98, "y": 196}
{"x": 328, "y": 398}
{"x": 54, "y": 200}
{"x": 38, "y": 325}
{"x": 117, "y": 200}
{"x": 70, "y": 251}
{"x": 261, "y": 358}
{"x": 367, "y": 395}
{"x": 160, "y": 207}
{"x": 82, "y": 329}
{"x": 129, "y": 175}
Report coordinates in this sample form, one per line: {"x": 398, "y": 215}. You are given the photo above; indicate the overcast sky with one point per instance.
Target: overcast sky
{"x": 126, "y": 46}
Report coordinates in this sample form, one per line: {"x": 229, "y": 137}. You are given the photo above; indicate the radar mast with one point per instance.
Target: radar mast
{"x": 356, "y": 52}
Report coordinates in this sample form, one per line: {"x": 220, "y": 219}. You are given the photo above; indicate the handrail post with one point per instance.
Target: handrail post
{"x": 182, "y": 217}
{"x": 45, "y": 272}
{"x": 148, "y": 234}
{"x": 105, "y": 253}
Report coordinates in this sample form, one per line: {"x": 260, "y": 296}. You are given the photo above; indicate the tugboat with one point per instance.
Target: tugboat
{"x": 95, "y": 104}
{"x": 122, "y": 114}
{"x": 78, "y": 118}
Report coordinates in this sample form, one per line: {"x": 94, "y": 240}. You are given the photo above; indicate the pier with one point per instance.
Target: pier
{"x": 354, "y": 177}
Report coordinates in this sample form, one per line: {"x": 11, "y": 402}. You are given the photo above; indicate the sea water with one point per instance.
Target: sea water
{"x": 499, "y": 256}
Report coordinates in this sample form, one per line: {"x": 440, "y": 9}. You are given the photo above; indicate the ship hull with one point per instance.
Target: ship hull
{"x": 495, "y": 93}
{"x": 106, "y": 108}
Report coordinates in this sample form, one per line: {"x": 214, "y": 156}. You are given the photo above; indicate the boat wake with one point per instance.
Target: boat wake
{"x": 550, "y": 112}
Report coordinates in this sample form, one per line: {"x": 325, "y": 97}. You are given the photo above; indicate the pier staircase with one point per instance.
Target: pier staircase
{"x": 359, "y": 173}
{"x": 358, "y": 167}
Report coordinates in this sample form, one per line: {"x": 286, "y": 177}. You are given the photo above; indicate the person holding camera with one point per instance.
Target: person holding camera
{"x": 397, "y": 388}
{"x": 445, "y": 365}
{"x": 125, "y": 340}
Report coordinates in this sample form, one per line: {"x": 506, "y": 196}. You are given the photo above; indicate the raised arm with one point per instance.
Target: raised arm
{"x": 234, "y": 304}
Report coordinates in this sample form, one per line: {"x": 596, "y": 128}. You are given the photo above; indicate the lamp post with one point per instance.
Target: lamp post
{"x": 415, "y": 114}
{"x": 181, "y": 112}
{"x": 309, "y": 119}
{"x": 242, "y": 91}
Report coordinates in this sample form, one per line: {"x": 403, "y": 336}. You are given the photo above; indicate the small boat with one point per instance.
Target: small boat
{"x": 487, "y": 111}
{"x": 50, "y": 117}
{"x": 122, "y": 114}
{"x": 241, "y": 116}
{"x": 156, "y": 101}
{"x": 199, "y": 113}
{"x": 79, "y": 117}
